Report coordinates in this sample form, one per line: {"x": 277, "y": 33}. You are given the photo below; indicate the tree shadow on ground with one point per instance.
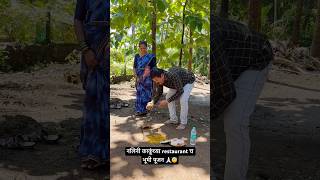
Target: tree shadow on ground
{"x": 55, "y": 161}
{"x": 293, "y": 86}
{"x": 52, "y": 159}
{"x": 127, "y": 132}
{"x": 77, "y": 103}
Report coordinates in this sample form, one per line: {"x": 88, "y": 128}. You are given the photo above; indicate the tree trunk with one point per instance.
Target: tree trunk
{"x": 208, "y": 68}
{"x": 255, "y": 14}
{"x": 183, "y": 16}
{"x": 275, "y": 11}
{"x": 133, "y": 31}
{"x": 125, "y": 65}
{"x": 190, "y": 52}
{"x": 154, "y": 29}
{"x": 161, "y": 33}
{"x": 306, "y": 20}
{"x": 212, "y": 8}
{"x": 133, "y": 34}
{"x": 297, "y": 24}
{"x": 224, "y": 8}
{"x": 315, "y": 47}
{"x": 48, "y": 28}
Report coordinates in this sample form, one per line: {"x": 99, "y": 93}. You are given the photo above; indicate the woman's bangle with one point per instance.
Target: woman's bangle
{"x": 83, "y": 46}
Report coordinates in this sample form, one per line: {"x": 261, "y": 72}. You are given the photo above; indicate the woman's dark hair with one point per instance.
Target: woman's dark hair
{"x": 156, "y": 72}
{"x": 144, "y": 43}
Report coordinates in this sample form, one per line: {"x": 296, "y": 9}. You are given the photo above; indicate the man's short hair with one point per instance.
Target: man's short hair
{"x": 156, "y": 72}
{"x": 143, "y": 42}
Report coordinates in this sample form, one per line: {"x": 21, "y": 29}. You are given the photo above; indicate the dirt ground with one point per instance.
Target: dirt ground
{"x": 285, "y": 130}
{"x": 45, "y": 96}
{"x": 126, "y": 132}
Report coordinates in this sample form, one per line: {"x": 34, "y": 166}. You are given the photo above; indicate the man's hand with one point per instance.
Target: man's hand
{"x": 150, "y": 106}
{"x": 163, "y": 103}
{"x": 90, "y": 59}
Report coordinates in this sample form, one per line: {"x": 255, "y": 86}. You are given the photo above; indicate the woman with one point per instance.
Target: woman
{"x": 143, "y": 62}
{"x": 91, "y": 28}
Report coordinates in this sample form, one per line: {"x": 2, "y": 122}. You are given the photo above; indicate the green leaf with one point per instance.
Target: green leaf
{"x": 161, "y": 5}
{"x": 114, "y": 2}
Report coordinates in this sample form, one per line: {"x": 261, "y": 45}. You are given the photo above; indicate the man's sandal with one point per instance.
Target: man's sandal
{"x": 181, "y": 127}
{"x": 171, "y": 122}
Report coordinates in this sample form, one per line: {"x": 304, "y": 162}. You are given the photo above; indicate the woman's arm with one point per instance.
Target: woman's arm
{"x": 78, "y": 26}
{"x": 79, "y": 17}
{"x": 89, "y": 55}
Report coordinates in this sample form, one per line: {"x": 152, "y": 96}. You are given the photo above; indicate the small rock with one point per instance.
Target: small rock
{"x": 75, "y": 172}
{"x": 12, "y": 167}
{"x": 20, "y": 177}
{"x": 6, "y": 103}
{"x": 63, "y": 173}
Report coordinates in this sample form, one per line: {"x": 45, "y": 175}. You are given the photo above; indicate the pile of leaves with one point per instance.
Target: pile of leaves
{"x": 294, "y": 59}
{"x": 73, "y": 57}
{"x": 11, "y": 126}
{"x": 202, "y": 79}
{"x": 118, "y": 79}
{"x": 72, "y": 75}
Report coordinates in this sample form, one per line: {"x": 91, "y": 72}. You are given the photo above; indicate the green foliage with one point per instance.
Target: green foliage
{"x": 120, "y": 62}
{"x": 25, "y": 20}
{"x": 126, "y": 14}
{"x": 201, "y": 66}
{"x": 4, "y": 4}
{"x": 265, "y": 24}
{"x": 4, "y": 66}
{"x": 161, "y": 5}
{"x": 195, "y": 22}
{"x": 282, "y": 28}
{"x": 238, "y": 10}
{"x": 16, "y": 26}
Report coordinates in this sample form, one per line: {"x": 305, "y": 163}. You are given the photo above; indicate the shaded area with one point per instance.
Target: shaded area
{"x": 77, "y": 103}
{"x": 47, "y": 161}
{"x": 284, "y": 141}
{"x": 58, "y": 159}
{"x": 21, "y": 58}
{"x": 293, "y": 86}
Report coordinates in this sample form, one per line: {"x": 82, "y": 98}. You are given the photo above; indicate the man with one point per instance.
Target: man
{"x": 92, "y": 30}
{"x": 180, "y": 83}
{"x": 240, "y": 60}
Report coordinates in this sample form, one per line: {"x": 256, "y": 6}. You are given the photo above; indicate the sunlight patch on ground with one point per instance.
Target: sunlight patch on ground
{"x": 176, "y": 172}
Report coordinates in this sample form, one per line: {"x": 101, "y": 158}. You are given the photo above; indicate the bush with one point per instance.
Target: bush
{"x": 4, "y": 66}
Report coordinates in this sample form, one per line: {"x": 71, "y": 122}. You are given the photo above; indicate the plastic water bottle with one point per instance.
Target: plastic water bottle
{"x": 193, "y": 136}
